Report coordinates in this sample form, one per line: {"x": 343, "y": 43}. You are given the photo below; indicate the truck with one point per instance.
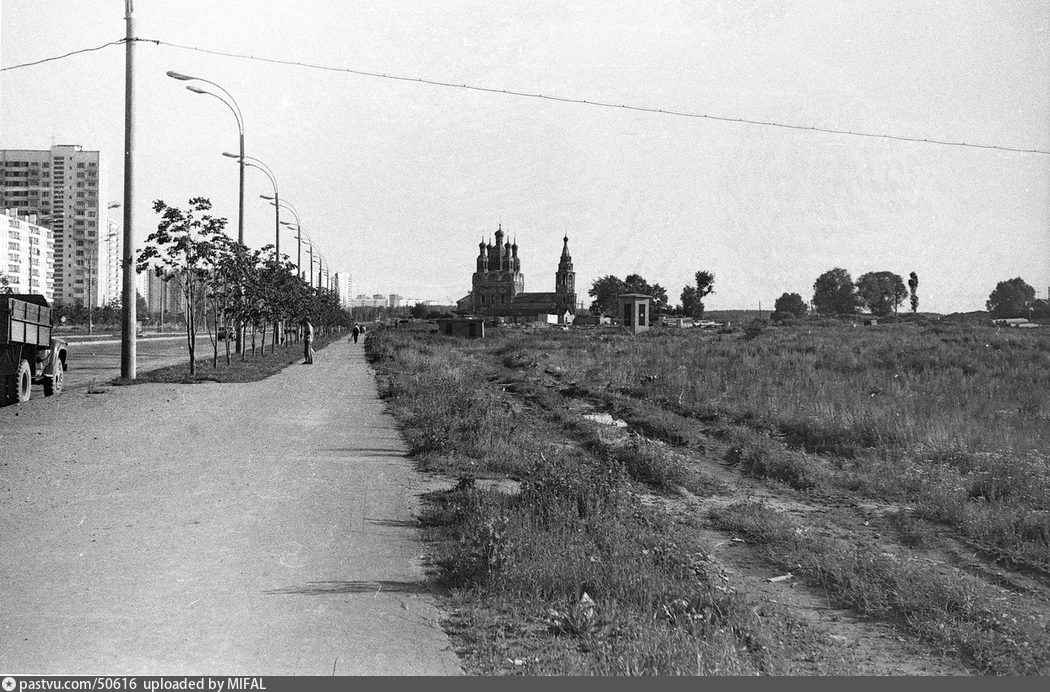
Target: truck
{"x": 29, "y": 354}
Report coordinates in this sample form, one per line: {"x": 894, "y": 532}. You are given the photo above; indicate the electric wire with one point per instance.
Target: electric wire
{"x": 560, "y": 99}
{"x": 603, "y": 104}
{"x": 60, "y": 57}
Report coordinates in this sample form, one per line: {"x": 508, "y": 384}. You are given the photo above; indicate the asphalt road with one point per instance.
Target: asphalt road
{"x": 96, "y": 361}
{"x": 263, "y": 528}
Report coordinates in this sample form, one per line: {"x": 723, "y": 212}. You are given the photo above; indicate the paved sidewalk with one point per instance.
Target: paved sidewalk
{"x": 263, "y": 528}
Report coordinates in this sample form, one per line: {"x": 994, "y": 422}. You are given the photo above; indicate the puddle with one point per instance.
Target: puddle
{"x": 605, "y": 419}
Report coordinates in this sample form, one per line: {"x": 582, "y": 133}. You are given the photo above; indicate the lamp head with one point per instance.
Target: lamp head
{"x": 196, "y": 89}
{"x": 231, "y": 156}
{"x": 178, "y": 76}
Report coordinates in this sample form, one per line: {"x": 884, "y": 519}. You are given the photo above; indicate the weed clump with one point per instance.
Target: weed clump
{"x": 646, "y": 463}
{"x": 762, "y": 457}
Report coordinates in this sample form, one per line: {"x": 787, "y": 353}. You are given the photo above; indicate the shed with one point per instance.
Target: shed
{"x": 633, "y": 309}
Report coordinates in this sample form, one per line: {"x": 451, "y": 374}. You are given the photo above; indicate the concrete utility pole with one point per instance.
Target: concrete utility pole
{"x": 128, "y": 321}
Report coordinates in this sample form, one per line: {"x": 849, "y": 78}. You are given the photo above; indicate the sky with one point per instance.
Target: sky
{"x": 398, "y": 180}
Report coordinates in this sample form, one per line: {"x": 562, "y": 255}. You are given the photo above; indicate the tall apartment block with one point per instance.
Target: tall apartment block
{"x": 30, "y": 255}
{"x": 64, "y": 187}
{"x": 344, "y": 284}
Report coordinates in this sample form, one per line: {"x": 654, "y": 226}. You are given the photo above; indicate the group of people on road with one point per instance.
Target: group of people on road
{"x": 308, "y": 338}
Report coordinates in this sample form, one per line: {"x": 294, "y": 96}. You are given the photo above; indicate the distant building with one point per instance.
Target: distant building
{"x": 377, "y": 300}
{"x": 498, "y": 284}
{"x": 111, "y": 247}
{"x": 30, "y": 266}
{"x": 164, "y": 292}
{"x": 64, "y": 187}
{"x": 344, "y": 288}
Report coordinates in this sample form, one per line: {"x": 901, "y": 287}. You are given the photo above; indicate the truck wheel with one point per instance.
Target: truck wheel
{"x": 20, "y": 384}
{"x": 53, "y": 385}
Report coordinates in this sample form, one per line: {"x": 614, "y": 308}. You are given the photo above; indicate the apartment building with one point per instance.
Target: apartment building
{"x": 344, "y": 284}
{"x": 30, "y": 253}
{"x": 64, "y": 186}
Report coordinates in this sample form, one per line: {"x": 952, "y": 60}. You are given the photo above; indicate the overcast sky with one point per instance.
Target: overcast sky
{"x": 398, "y": 181}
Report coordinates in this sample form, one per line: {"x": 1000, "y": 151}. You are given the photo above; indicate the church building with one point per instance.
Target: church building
{"x": 498, "y": 285}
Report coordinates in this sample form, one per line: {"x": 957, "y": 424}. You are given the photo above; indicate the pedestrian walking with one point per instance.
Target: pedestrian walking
{"x": 355, "y": 331}
{"x": 308, "y": 342}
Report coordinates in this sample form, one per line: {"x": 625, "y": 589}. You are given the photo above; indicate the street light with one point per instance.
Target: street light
{"x": 236, "y": 110}
{"x": 276, "y": 202}
{"x": 299, "y": 239}
{"x": 256, "y": 163}
{"x": 311, "y": 243}
{"x": 232, "y": 105}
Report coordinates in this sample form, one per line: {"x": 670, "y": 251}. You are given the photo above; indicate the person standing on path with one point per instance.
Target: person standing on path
{"x": 356, "y": 331}
{"x": 308, "y": 342}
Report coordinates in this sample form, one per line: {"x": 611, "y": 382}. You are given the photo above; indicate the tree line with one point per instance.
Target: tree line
{"x": 835, "y": 293}
{"x": 227, "y": 286}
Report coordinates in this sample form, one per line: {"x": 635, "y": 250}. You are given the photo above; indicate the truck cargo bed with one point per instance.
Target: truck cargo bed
{"x": 25, "y": 319}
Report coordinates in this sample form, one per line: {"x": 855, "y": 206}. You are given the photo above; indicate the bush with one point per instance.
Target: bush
{"x": 646, "y": 463}
{"x": 764, "y": 458}
{"x": 790, "y": 304}
{"x": 754, "y": 329}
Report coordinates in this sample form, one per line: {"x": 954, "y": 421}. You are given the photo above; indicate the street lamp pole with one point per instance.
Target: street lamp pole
{"x": 275, "y": 202}
{"x": 299, "y": 242}
{"x": 232, "y": 105}
{"x": 236, "y": 110}
{"x": 256, "y": 163}
{"x": 92, "y": 258}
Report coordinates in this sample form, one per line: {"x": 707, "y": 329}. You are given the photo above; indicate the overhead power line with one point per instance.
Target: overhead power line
{"x": 565, "y": 99}
{"x": 60, "y": 57}
{"x": 602, "y": 104}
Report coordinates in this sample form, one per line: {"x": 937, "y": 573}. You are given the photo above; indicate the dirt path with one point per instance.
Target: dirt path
{"x": 872, "y": 647}
{"x": 265, "y": 528}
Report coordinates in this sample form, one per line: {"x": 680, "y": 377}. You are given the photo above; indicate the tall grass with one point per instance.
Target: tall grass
{"x": 950, "y": 609}
{"x": 604, "y": 583}
{"x": 951, "y": 421}
{"x": 953, "y": 418}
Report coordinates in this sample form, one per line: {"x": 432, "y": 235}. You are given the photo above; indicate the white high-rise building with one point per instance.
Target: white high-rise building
{"x": 344, "y": 284}
{"x": 30, "y": 255}
{"x": 64, "y": 186}
{"x": 111, "y": 247}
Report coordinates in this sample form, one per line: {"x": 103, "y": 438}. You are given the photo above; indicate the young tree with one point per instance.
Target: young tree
{"x": 693, "y": 296}
{"x": 5, "y": 285}
{"x": 604, "y": 292}
{"x": 913, "y": 287}
{"x": 606, "y": 289}
{"x": 634, "y": 283}
{"x": 881, "y": 292}
{"x": 791, "y": 304}
{"x": 1011, "y": 299}
{"x": 183, "y": 244}
{"x": 834, "y": 293}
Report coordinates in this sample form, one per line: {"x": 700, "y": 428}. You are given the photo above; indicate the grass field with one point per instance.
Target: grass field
{"x": 254, "y": 366}
{"x": 944, "y": 425}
